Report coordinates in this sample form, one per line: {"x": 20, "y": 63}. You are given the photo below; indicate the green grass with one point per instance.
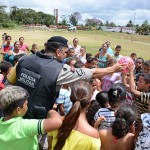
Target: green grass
{"x": 91, "y": 39}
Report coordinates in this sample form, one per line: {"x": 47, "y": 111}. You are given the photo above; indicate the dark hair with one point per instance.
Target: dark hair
{"x": 6, "y": 37}
{"x": 4, "y": 66}
{"x": 110, "y": 61}
{"x": 15, "y": 43}
{"x": 117, "y": 94}
{"x": 102, "y": 98}
{"x": 88, "y": 55}
{"x": 125, "y": 117}
{"x": 52, "y": 47}
{"x": 33, "y": 45}
{"x": 9, "y": 110}
{"x": 17, "y": 57}
{"x": 146, "y": 77}
{"x": 93, "y": 108}
{"x": 69, "y": 59}
{"x": 21, "y": 38}
{"x": 118, "y": 46}
{"x": 75, "y": 39}
{"x": 141, "y": 59}
{"x": 91, "y": 59}
{"x": 81, "y": 93}
{"x": 79, "y": 64}
{"x": 147, "y": 63}
{"x": 133, "y": 54}
{"x": 4, "y": 34}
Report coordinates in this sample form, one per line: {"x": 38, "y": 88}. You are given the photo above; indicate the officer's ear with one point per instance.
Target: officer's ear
{"x": 57, "y": 52}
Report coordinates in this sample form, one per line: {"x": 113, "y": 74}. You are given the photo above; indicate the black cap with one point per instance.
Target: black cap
{"x": 58, "y": 40}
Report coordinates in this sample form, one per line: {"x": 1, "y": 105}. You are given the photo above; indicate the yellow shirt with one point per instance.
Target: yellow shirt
{"x": 77, "y": 141}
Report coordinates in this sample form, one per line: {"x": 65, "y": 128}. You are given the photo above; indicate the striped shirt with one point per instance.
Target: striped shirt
{"x": 64, "y": 98}
{"x": 108, "y": 114}
{"x": 141, "y": 104}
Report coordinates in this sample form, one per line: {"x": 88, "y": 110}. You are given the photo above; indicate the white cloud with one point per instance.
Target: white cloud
{"x": 117, "y": 11}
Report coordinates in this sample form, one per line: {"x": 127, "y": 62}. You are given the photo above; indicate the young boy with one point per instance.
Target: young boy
{"x": 146, "y": 66}
{"x": 5, "y": 68}
{"x": 63, "y": 101}
{"x": 18, "y": 133}
{"x": 141, "y": 94}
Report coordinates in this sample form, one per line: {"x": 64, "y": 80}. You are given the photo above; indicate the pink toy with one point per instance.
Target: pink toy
{"x": 126, "y": 60}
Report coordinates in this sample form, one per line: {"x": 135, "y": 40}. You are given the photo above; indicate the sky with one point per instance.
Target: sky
{"x": 117, "y": 11}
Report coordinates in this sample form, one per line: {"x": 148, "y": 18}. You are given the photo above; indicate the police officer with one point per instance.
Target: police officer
{"x": 42, "y": 75}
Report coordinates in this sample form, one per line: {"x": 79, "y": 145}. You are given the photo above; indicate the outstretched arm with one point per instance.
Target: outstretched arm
{"x": 53, "y": 122}
{"x": 100, "y": 72}
{"x": 132, "y": 83}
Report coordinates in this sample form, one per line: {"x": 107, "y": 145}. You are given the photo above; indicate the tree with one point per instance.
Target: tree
{"x": 93, "y": 22}
{"x": 107, "y": 23}
{"x": 112, "y": 24}
{"x": 74, "y": 18}
{"x": 64, "y": 20}
{"x": 144, "y": 28}
{"x": 30, "y": 16}
{"x": 3, "y": 15}
{"x": 130, "y": 24}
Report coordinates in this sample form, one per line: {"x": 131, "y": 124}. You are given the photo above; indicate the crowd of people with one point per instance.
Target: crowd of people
{"x": 62, "y": 97}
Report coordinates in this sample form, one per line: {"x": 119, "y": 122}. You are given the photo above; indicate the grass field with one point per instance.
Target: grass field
{"x": 91, "y": 39}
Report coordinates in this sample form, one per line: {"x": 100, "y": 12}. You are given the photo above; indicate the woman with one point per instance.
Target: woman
{"x": 23, "y": 46}
{"x": 7, "y": 46}
{"x": 75, "y": 132}
{"x": 119, "y": 136}
{"x": 3, "y": 38}
{"x": 103, "y": 56}
{"x": 9, "y": 56}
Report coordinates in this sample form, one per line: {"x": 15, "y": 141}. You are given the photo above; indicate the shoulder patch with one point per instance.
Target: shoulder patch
{"x": 79, "y": 72}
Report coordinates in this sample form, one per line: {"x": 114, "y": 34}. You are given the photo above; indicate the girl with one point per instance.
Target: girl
{"x": 119, "y": 136}
{"x": 75, "y": 132}
{"x": 108, "y": 80}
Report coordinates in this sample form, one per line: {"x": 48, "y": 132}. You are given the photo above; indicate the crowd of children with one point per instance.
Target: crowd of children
{"x": 108, "y": 113}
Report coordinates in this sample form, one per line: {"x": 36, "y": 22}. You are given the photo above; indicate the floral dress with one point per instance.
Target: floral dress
{"x": 143, "y": 142}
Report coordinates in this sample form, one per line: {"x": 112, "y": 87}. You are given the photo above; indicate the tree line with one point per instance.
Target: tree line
{"x": 19, "y": 16}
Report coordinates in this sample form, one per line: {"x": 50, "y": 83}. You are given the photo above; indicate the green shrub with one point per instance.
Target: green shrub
{"x": 9, "y": 24}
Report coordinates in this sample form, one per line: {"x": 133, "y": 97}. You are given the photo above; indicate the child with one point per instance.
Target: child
{"x": 91, "y": 63}
{"x": 82, "y": 55}
{"x": 108, "y": 80}
{"x": 133, "y": 56}
{"x": 146, "y": 66}
{"x": 141, "y": 94}
{"x": 116, "y": 95}
{"x": 17, "y": 133}
{"x": 143, "y": 141}
{"x": 126, "y": 81}
{"x": 103, "y": 99}
{"x": 119, "y": 136}
{"x": 5, "y": 68}
{"x": 94, "y": 84}
{"x": 63, "y": 101}
{"x": 34, "y": 49}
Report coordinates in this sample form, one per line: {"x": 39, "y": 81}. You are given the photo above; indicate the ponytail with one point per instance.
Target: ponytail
{"x": 81, "y": 93}
{"x": 120, "y": 128}
{"x": 67, "y": 125}
{"x": 125, "y": 117}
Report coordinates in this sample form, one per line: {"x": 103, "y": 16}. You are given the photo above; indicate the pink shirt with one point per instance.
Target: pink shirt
{"x": 23, "y": 47}
{"x": 108, "y": 81}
